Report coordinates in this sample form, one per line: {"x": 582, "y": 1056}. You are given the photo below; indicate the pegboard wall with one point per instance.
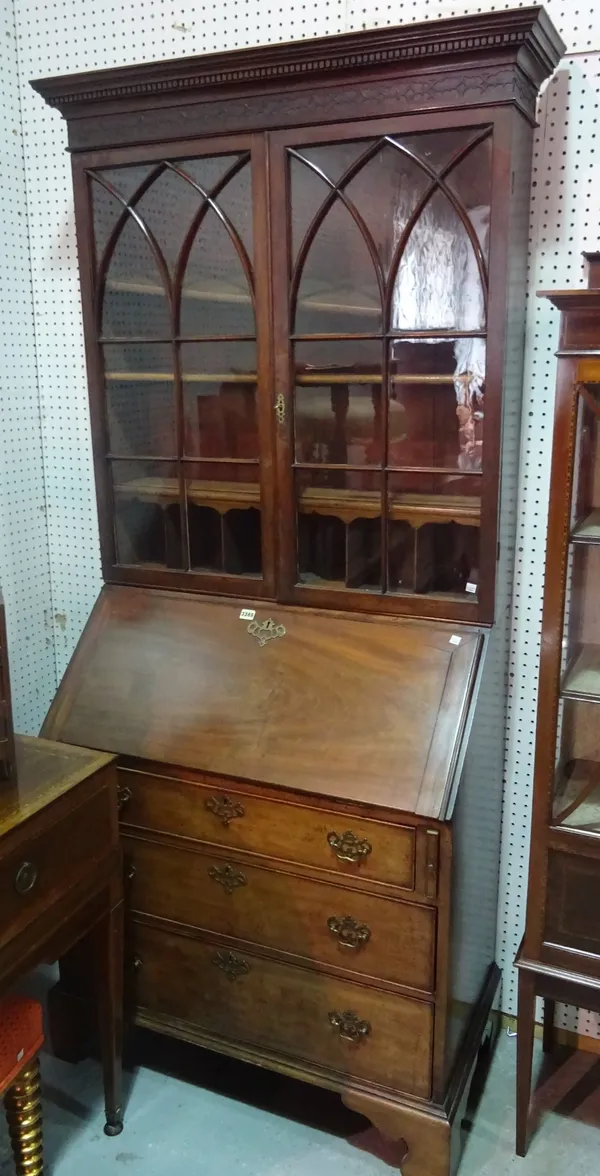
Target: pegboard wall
{"x": 55, "y": 554}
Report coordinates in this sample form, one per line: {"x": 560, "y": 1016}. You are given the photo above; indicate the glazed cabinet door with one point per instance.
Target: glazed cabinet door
{"x": 387, "y": 464}
{"x": 175, "y": 287}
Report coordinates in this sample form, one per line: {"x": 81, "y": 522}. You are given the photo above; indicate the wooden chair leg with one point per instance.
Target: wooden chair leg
{"x": 23, "y": 1106}
{"x": 548, "y": 1038}
{"x": 525, "y": 1035}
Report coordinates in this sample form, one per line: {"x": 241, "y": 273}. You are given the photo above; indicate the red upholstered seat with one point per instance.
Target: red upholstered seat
{"x": 21, "y": 1036}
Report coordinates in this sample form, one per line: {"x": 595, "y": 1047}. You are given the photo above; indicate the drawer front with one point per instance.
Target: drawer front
{"x": 328, "y": 839}
{"x": 353, "y": 1030}
{"x": 379, "y": 937}
{"x": 46, "y": 866}
{"x": 572, "y": 917}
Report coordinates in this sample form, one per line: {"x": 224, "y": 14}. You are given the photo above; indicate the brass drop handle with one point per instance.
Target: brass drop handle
{"x": 25, "y": 878}
{"x": 349, "y": 933}
{"x": 224, "y": 809}
{"x": 123, "y": 796}
{"x": 228, "y": 877}
{"x": 131, "y": 872}
{"x": 349, "y": 1025}
{"x": 348, "y": 847}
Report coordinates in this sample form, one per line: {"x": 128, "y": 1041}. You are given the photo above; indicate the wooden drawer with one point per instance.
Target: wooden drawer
{"x": 289, "y": 1010}
{"x": 395, "y": 940}
{"x": 276, "y": 828}
{"x": 43, "y": 868}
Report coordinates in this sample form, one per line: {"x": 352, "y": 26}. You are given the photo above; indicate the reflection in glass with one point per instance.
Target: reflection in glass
{"x": 147, "y": 515}
{"x": 582, "y": 629}
{"x": 224, "y": 519}
{"x": 219, "y": 388}
{"x": 140, "y": 400}
{"x": 586, "y": 493}
{"x": 338, "y": 279}
{"x": 577, "y": 785}
{"x": 135, "y": 298}
{"x": 107, "y": 208}
{"x": 339, "y": 528}
{"x": 438, "y": 284}
{"x": 216, "y": 296}
{"x": 338, "y": 402}
{"x": 433, "y": 535}
{"x": 439, "y": 386}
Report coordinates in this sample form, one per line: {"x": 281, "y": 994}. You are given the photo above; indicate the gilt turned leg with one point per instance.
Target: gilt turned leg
{"x": 525, "y": 1035}
{"x": 108, "y": 944}
{"x": 23, "y": 1107}
{"x": 548, "y": 1038}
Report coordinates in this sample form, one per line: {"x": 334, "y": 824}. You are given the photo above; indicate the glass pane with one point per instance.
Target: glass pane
{"x": 167, "y": 209}
{"x": 437, "y": 392}
{"x": 577, "y": 783}
{"x": 438, "y": 284}
{"x": 586, "y": 493}
{"x": 140, "y": 400}
{"x": 582, "y": 659}
{"x": 308, "y": 189}
{"x": 216, "y": 297}
{"x": 236, "y": 202}
{"x": 338, "y": 291}
{"x": 207, "y": 170}
{"x": 135, "y": 301}
{"x": 224, "y": 518}
{"x": 471, "y": 182}
{"x": 385, "y": 192}
{"x": 339, "y": 528}
{"x": 147, "y": 514}
{"x": 337, "y": 402}
{"x": 433, "y": 534}
{"x": 106, "y": 208}
{"x": 219, "y": 390}
{"x": 436, "y": 148}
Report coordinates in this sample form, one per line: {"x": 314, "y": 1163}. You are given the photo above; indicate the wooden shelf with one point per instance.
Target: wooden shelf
{"x": 582, "y": 679}
{"x": 348, "y": 505}
{"x": 318, "y": 380}
{"x": 587, "y": 530}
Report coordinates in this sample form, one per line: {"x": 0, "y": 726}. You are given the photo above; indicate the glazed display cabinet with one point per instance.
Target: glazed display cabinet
{"x": 303, "y": 276}
{"x": 560, "y": 956}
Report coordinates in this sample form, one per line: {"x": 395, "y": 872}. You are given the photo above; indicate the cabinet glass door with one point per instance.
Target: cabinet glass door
{"x": 387, "y": 283}
{"x": 176, "y": 319}
{"x": 577, "y": 780}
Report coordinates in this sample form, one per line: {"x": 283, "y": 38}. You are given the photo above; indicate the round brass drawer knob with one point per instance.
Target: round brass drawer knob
{"x": 25, "y": 878}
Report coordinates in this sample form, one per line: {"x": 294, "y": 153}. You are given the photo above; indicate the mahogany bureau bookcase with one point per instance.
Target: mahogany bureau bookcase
{"x": 303, "y": 277}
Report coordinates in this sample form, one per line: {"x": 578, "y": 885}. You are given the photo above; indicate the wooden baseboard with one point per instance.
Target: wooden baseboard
{"x": 563, "y": 1036}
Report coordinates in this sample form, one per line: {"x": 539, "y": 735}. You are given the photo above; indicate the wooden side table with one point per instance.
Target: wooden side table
{"x": 61, "y": 881}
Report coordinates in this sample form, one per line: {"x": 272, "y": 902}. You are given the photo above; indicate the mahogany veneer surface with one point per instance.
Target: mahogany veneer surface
{"x": 340, "y": 705}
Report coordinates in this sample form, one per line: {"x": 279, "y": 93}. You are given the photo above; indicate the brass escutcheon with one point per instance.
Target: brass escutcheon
{"x": 227, "y": 877}
{"x": 232, "y": 965}
{"x": 224, "y": 808}
{"x": 266, "y": 630}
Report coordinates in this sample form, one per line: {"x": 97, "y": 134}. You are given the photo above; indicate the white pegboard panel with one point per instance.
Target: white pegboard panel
{"x": 24, "y": 562}
{"x": 579, "y": 27}
{"x": 73, "y": 35}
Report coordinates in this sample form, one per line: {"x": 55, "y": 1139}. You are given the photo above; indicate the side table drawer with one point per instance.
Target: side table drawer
{"x": 330, "y": 924}
{"x": 322, "y": 837}
{"x": 37, "y": 876}
{"x": 341, "y": 1026}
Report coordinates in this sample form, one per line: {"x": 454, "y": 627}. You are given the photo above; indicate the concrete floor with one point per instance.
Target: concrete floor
{"x": 218, "y": 1118}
